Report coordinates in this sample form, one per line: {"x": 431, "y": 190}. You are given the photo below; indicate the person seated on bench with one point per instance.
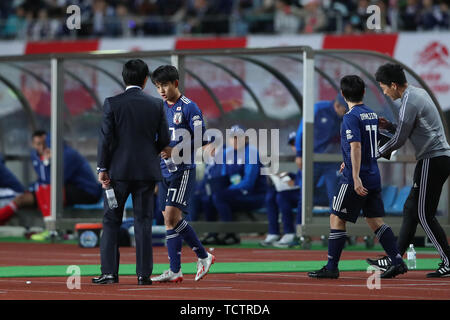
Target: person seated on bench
{"x": 247, "y": 187}
{"x": 80, "y": 183}
{"x": 327, "y": 120}
{"x": 283, "y": 195}
{"x": 10, "y": 188}
{"x": 214, "y": 180}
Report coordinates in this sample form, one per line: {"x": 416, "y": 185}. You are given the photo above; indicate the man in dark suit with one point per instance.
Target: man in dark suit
{"x": 134, "y": 131}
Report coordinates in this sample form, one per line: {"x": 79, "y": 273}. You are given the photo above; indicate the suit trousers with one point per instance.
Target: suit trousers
{"x": 143, "y": 206}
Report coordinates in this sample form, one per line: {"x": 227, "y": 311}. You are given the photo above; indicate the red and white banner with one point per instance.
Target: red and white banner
{"x": 429, "y": 57}
{"x": 428, "y": 54}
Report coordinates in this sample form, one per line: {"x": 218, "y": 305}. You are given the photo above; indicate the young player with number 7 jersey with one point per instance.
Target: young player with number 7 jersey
{"x": 360, "y": 185}
{"x": 178, "y": 182}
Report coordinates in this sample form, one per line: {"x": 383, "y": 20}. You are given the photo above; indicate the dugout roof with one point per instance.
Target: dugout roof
{"x": 260, "y": 88}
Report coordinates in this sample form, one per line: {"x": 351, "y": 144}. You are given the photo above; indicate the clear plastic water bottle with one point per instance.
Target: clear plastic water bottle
{"x": 111, "y": 197}
{"x": 411, "y": 257}
{"x": 171, "y": 166}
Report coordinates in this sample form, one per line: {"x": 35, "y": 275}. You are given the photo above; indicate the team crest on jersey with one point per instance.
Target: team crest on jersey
{"x": 178, "y": 108}
{"x": 177, "y": 117}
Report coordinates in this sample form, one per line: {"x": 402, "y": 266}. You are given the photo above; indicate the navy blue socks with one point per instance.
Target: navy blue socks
{"x": 336, "y": 242}
{"x": 386, "y": 237}
{"x": 174, "y": 243}
{"x": 185, "y": 230}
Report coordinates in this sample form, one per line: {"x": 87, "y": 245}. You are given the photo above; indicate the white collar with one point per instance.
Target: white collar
{"x": 129, "y": 87}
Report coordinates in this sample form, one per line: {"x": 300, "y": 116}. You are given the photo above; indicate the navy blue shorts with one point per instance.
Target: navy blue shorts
{"x": 176, "y": 190}
{"x": 347, "y": 204}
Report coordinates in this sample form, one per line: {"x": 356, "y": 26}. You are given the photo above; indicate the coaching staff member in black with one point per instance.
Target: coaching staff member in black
{"x": 420, "y": 122}
{"x": 134, "y": 131}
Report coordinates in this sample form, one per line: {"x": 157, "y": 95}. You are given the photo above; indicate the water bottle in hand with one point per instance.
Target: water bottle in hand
{"x": 171, "y": 166}
{"x": 411, "y": 257}
{"x": 111, "y": 197}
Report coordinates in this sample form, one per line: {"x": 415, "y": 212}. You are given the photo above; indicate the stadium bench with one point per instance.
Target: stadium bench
{"x": 397, "y": 207}
{"x": 388, "y": 194}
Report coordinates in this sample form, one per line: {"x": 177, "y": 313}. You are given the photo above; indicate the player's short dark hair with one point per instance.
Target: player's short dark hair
{"x": 390, "y": 73}
{"x": 38, "y": 133}
{"x": 352, "y": 88}
{"x": 134, "y": 72}
{"x": 165, "y": 74}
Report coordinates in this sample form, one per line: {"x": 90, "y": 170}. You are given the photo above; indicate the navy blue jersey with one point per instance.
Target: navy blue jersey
{"x": 360, "y": 124}
{"x": 184, "y": 114}
{"x": 326, "y": 128}
{"x": 8, "y": 180}
{"x": 248, "y": 175}
{"x": 77, "y": 170}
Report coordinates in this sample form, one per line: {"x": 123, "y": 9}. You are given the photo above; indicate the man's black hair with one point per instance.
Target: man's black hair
{"x": 390, "y": 73}
{"x": 134, "y": 72}
{"x": 38, "y": 133}
{"x": 165, "y": 74}
{"x": 352, "y": 88}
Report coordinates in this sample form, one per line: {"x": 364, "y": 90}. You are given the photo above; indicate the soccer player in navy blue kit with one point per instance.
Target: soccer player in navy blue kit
{"x": 360, "y": 185}
{"x": 177, "y": 187}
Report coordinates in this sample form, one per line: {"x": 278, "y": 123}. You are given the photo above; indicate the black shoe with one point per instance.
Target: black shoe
{"x": 324, "y": 273}
{"x": 230, "y": 239}
{"x": 211, "y": 238}
{"x": 441, "y": 272}
{"x": 106, "y": 278}
{"x": 383, "y": 263}
{"x": 142, "y": 281}
{"x": 394, "y": 270}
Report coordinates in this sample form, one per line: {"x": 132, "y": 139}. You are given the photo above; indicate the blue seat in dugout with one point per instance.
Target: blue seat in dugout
{"x": 388, "y": 194}
{"x": 95, "y": 206}
{"x": 397, "y": 207}
{"x": 99, "y": 205}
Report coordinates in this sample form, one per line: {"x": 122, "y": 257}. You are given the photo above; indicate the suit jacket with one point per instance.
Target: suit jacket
{"x": 134, "y": 131}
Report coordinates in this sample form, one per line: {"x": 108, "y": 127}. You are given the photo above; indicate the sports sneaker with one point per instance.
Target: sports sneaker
{"x": 210, "y": 238}
{"x": 441, "y": 272}
{"x": 230, "y": 239}
{"x": 394, "y": 270}
{"x": 169, "y": 276}
{"x": 287, "y": 241}
{"x": 203, "y": 266}
{"x": 45, "y": 235}
{"x": 324, "y": 273}
{"x": 383, "y": 263}
{"x": 269, "y": 240}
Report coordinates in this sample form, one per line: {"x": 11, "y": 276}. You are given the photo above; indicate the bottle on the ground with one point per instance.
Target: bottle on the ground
{"x": 411, "y": 257}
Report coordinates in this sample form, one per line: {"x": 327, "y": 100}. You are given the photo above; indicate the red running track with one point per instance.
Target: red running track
{"x": 241, "y": 286}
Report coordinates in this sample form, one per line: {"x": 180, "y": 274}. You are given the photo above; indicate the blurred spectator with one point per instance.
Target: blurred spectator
{"x": 359, "y": 17}
{"x": 208, "y": 17}
{"x": 99, "y": 17}
{"x": 312, "y": 15}
{"x": 45, "y": 18}
{"x": 285, "y": 20}
{"x": 410, "y": 15}
{"x": 40, "y": 27}
{"x": 15, "y": 24}
{"x": 254, "y": 16}
{"x": 434, "y": 16}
